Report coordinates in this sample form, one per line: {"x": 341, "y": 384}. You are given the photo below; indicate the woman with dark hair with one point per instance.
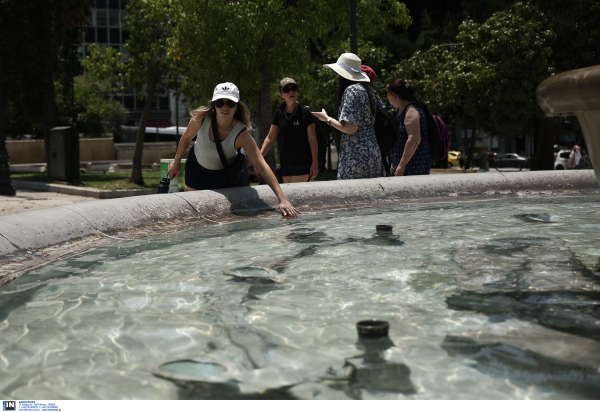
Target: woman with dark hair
{"x": 411, "y": 155}
{"x": 294, "y": 125}
{"x": 359, "y": 155}
{"x": 204, "y": 168}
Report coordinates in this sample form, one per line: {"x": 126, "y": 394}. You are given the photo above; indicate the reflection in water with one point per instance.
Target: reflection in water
{"x": 573, "y": 312}
{"x": 372, "y": 372}
{"x": 533, "y": 217}
{"x": 525, "y": 367}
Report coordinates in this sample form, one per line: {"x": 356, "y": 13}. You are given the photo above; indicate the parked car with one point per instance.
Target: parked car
{"x": 511, "y": 160}
{"x": 562, "y": 160}
{"x": 453, "y": 158}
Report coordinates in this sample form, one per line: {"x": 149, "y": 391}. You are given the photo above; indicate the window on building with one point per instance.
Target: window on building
{"x": 100, "y": 4}
{"x": 101, "y": 18}
{"x": 114, "y": 36}
{"x": 90, "y": 35}
{"x": 129, "y": 102}
{"x": 113, "y": 4}
{"x": 113, "y": 18}
{"x": 163, "y": 102}
{"x": 102, "y": 35}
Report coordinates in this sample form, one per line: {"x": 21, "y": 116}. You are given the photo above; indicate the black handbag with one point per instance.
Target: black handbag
{"x": 233, "y": 170}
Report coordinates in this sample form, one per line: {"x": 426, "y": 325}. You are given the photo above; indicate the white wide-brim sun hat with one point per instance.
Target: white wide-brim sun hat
{"x": 348, "y": 66}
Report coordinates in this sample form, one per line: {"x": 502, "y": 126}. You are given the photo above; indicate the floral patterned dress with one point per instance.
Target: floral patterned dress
{"x": 360, "y": 156}
{"x": 420, "y": 163}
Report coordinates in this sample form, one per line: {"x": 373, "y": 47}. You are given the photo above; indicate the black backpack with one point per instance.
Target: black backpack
{"x": 437, "y": 133}
{"x": 386, "y": 127}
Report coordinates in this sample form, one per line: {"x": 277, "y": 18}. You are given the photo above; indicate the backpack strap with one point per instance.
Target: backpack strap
{"x": 373, "y": 108}
{"x": 224, "y": 161}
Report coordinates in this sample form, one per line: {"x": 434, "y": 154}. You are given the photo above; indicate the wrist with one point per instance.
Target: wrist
{"x": 328, "y": 121}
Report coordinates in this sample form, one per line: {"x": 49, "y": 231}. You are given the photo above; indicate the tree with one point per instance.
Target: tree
{"x": 96, "y": 112}
{"x": 150, "y": 67}
{"x": 488, "y": 78}
{"x": 255, "y": 43}
{"x": 34, "y": 37}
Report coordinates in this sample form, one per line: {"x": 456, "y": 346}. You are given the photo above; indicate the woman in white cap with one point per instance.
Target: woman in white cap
{"x": 359, "y": 155}
{"x": 204, "y": 168}
{"x": 294, "y": 125}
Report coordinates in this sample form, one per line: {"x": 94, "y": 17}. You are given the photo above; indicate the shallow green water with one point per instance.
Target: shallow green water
{"x": 276, "y": 301}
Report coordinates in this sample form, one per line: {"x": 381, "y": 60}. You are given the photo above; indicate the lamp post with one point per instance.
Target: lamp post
{"x": 353, "y": 29}
{"x": 6, "y": 188}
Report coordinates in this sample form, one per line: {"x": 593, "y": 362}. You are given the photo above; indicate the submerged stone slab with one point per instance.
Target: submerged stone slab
{"x": 528, "y": 337}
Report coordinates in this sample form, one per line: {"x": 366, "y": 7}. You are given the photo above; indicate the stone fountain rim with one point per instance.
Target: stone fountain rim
{"x": 35, "y": 238}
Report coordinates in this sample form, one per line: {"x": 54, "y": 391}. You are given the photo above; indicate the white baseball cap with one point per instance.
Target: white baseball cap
{"x": 226, "y": 91}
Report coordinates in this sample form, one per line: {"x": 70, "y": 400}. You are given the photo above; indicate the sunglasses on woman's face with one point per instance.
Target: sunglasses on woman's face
{"x": 221, "y": 103}
{"x": 288, "y": 89}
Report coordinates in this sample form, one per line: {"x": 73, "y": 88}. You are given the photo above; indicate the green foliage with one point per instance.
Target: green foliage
{"x": 152, "y": 42}
{"x": 231, "y": 41}
{"x": 35, "y": 37}
{"x": 96, "y": 112}
{"x": 489, "y": 78}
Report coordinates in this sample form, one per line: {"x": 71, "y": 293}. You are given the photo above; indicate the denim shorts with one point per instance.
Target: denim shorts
{"x": 298, "y": 170}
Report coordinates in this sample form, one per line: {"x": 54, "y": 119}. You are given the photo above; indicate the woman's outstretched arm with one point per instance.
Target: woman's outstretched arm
{"x": 246, "y": 141}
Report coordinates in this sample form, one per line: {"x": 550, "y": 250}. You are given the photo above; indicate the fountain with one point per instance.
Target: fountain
{"x": 576, "y": 93}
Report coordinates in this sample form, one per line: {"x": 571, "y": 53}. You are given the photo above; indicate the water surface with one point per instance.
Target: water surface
{"x": 276, "y": 301}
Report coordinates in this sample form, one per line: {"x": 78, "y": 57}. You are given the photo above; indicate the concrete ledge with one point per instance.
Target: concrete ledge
{"x": 39, "y": 229}
{"x": 80, "y": 191}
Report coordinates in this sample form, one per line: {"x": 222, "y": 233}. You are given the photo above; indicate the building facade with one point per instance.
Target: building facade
{"x": 104, "y": 28}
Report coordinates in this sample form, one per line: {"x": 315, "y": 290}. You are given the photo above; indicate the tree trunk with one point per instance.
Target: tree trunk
{"x": 469, "y": 160}
{"x": 136, "y": 171}
{"x": 265, "y": 115}
{"x": 543, "y": 157}
{"x": 46, "y": 85}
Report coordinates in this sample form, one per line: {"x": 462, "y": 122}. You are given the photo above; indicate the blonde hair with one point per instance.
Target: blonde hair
{"x": 242, "y": 113}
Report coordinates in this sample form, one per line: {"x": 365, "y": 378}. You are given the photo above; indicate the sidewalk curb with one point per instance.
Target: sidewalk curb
{"x": 80, "y": 191}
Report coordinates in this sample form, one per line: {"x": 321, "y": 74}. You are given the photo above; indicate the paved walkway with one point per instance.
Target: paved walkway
{"x": 26, "y": 200}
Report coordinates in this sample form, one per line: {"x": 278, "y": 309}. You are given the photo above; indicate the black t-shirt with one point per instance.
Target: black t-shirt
{"x": 294, "y": 148}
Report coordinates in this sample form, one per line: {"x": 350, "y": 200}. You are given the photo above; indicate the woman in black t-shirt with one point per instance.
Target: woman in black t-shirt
{"x": 294, "y": 124}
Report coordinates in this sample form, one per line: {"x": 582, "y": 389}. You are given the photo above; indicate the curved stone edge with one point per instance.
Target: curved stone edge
{"x": 29, "y": 231}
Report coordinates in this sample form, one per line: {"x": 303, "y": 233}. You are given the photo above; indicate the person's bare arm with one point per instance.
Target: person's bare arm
{"x": 314, "y": 149}
{"x": 246, "y": 141}
{"x": 184, "y": 142}
{"x": 413, "y": 129}
{"x": 345, "y": 127}
{"x": 269, "y": 140}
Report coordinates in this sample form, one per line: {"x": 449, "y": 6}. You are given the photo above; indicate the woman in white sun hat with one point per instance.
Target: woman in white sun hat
{"x": 359, "y": 155}
{"x": 204, "y": 168}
